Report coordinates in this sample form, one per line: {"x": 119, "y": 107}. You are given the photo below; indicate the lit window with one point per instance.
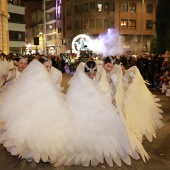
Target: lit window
{"x": 99, "y": 7}
{"x": 124, "y": 23}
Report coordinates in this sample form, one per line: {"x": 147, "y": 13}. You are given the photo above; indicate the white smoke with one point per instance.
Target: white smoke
{"x": 108, "y": 43}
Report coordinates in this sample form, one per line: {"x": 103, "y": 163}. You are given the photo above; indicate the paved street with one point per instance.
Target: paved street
{"x": 159, "y": 149}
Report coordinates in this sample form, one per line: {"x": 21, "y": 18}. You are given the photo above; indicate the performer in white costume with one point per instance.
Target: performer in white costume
{"x": 144, "y": 107}
{"x": 5, "y": 66}
{"x": 55, "y": 74}
{"x": 15, "y": 72}
{"x": 134, "y": 101}
{"x": 37, "y": 125}
{"x": 98, "y": 121}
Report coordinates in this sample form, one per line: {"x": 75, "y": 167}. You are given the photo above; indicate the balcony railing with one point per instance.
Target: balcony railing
{"x": 51, "y": 17}
{"x": 51, "y": 5}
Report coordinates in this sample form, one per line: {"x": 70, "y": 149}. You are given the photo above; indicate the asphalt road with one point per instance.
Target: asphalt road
{"x": 158, "y": 150}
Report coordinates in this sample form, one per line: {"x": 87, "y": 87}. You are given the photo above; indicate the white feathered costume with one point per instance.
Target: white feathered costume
{"x": 98, "y": 122}
{"x": 136, "y": 105}
{"x": 35, "y": 122}
{"x": 142, "y": 112}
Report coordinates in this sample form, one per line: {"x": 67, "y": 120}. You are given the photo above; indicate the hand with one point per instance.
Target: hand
{"x": 4, "y": 77}
{"x": 114, "y": 102}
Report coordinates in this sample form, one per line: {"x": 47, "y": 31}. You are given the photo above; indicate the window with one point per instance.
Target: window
{"x": 86, "y": 7}
{"x": 132, "y": 24}
{"x": 132, "y": 7}
{"x": 149, "y": 24}
{"x": 76, "y": 9}
{"x": 16, "y": 36}
{"x": 86, "y": 24}
{"x": 106, "y": 23}
{"x": 112, "y": 6}
{"x": 82, "y": 8}
{"x": 99, "y": 7}
{"x": 16, "y": 18}
{"x": 69, "y": 27}
{"x": 124, "y": 23}
{"x": 92, "y": 6}
{"x": 111, "y": 23}
{"x": 82, "y": 24}
{"x": 124, "y": 7}
{"x": 106, "y": 6}
{"x": 149, "y": 8}
{"x": 59, "y": 29}
{"x": 68, "y": 11}
{"x": 91, "y": 23}
{"x": 99, "y": 23}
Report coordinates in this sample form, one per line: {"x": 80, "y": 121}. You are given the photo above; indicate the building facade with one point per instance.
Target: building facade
{"x": 4, "y": 38}
{"x": 16, "y": 25}
{"x": 134, "y": 19}
{"x": 65, "y": 19}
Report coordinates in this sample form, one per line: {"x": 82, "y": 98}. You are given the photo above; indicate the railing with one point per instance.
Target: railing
{"x": 49, "y": 6}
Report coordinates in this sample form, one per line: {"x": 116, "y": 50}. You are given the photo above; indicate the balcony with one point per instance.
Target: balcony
{"x": 51, "y": 18}
{"x": 51, "y": 7}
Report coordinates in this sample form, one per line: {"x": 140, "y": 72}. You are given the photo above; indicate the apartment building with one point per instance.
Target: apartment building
{"x": 16, "y": 25}
{"x": 65, "y": 19}
{"x": 4, "y": 38}
{"x": 134, "y": 19}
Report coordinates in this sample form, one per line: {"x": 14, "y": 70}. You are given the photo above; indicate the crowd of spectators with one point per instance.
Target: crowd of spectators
{"x": 154, "y": 69}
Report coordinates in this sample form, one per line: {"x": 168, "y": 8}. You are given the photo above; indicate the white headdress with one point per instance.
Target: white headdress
{"x": 113, "y": 60}
{"x": 45, "y": 58}
{"x": 23, "y": 58}
{"x": 92, "y": 70}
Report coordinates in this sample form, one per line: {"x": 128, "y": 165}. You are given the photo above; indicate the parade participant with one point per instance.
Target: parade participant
{"x": 37, "y": 125}
{"x": 55, "y": 74}
{"x": 97, "y": 120}
{"x": 145, "y": 106}
{"x": 4, "y": 68}
{"x": 15, "y": 72}
{"x": 129, "y": 89}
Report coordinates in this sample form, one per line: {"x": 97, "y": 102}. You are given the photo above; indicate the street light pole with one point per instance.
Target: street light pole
{"x": 142, "y": 9}
{"x": 45, "y": 31}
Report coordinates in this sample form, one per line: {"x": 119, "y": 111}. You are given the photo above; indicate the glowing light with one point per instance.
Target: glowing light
{"x": 80, "y": 42}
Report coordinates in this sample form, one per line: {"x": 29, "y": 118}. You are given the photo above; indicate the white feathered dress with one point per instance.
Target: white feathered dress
{"x": 35, "y": 122}
{"x": 98, "y": 121}
{"x": 142, "y": 112}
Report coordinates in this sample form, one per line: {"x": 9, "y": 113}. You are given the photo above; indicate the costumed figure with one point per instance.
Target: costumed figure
{"x": 37, "y": 125}
{"x": 5, "y": 66}
{"x": 15, "y": 72}
{"x": 114, "y": 77}
{"x": 98, "y": 123}
{"x": 140, "y": 104}
{"x": 55, "y": 74}
{"x": 135, "y": 102}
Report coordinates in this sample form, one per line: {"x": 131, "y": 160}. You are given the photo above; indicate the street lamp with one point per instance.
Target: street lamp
{"x": 142, "y": 9}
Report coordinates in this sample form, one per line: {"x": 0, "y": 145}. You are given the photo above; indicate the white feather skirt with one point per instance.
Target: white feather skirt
{"x": 35, "y": 122}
